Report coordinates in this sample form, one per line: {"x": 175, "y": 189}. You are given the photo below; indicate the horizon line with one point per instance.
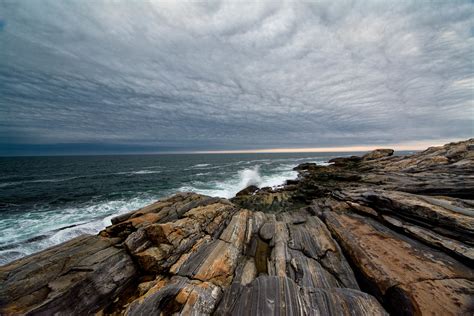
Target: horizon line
{"x": 406, "y": 146}
{"x": 414, "y": 145}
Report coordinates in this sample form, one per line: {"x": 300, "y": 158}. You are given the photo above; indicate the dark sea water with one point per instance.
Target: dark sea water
{"x": 48, "y": 200}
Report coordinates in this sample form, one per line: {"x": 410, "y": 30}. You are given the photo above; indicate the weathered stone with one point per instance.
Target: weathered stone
{"x": 433, "y": 297}
{"x": 137, "y": 241}
{"x": 314, "y": 240}
{"x": 345, "y": 161}
{"x": 430, "y": 237}
{"x": 77, "y": 277}
{"x": 385, "y": 259}
{"x": 235, "y": 230}
{"x": 151, "y": 259}
{"x": 269, "y": 252}
{"x": 309, "y": 272}
{"x": 214, "y": 261}
{"x": 267, "y": 231}
{"x": 377, "y": 154}
{"x": 281, "y": 296}
{"x": 438, "y": 212}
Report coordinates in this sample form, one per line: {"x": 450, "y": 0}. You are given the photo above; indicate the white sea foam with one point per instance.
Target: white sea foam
{"x": 56, "y": 226}
{"x": 139, "y": 172}
{"x": 250, "y": 177}
{"x": 244, "y": 178}
{"x": 201, "y": 165}
{"x": 14, "y": 230}
{"x": 145, "y": 172}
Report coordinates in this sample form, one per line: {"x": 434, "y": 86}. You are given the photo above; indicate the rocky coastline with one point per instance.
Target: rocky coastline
{"x": 373, "y": 235}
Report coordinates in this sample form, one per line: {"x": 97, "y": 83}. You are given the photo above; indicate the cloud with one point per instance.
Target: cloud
{"x": 234, "y": 74}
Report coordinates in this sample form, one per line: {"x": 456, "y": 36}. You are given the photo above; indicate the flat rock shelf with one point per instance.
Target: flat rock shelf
{"x": 372, "y": 235}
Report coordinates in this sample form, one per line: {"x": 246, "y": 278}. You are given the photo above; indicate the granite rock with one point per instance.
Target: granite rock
{"x": 361, "y": 236}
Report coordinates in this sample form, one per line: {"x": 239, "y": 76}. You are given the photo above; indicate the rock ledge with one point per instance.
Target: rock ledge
{"x": 367, "y": 235}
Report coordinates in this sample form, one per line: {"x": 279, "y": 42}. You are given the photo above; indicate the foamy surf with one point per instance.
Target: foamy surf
{"x": 243, "y": 179}
{"x": 53, "y": 227}
{"x": 35, "y": 215}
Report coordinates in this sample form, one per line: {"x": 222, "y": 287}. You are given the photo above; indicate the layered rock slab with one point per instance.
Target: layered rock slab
{"x": 277, "y": 295}
{"x": 312, "y": 246}
{"x": 397, "y": 268}
{"x": 441, "y": 222}
{"x": 77, "y": 277}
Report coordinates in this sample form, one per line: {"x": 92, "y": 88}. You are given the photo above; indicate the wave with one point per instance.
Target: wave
{"x": 204, "y": 174}
{"x": 27, "y": 233}
{"x": 7, "y": 184}
{"x": 241, "y": 180}
{"x": 139, "y": 172}
{"x": 250, "y": 177}
{"x": 24, "y": 233}
{"x": 142, "y": 172}
{"x": 276, "y": 176}
{"x": 135, "y": 172}
{"x": 202, "y": 166}
{"x": 199, "y": 165}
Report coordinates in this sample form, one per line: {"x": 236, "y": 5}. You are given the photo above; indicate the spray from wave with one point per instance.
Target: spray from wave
{"x": 243, "y": 179}
{"x": 27, "y": 232}
{"x": 250, "y": 177}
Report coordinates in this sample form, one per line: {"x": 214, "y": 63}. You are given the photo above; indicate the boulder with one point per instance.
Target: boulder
{"x": 377, "y": 154}
{"x": 306, "y": 166}
{"x": 248, "y": 190}
{"x": 345, "y": 161}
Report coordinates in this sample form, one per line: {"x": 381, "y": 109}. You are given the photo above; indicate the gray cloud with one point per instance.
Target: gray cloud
{"x": 233, "y": 74}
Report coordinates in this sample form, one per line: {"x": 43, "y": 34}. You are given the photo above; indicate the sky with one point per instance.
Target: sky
{"x": 169, "y": 76}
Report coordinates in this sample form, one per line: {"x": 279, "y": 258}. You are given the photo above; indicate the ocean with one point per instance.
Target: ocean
{"x": 47, "y": 200}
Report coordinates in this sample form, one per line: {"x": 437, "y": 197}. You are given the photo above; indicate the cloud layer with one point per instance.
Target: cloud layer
{"x": 234, "y": 74}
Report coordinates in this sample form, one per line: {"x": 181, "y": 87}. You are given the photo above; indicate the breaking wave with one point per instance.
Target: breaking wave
{"x": 45, "y": 224}
{"x": 243, "y": 179}
{"x": 26, "y": 233}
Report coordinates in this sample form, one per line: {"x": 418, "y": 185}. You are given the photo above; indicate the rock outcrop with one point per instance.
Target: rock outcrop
{"x": 367, "y": 235}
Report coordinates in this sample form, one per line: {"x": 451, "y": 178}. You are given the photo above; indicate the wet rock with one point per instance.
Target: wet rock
{"x": 248, "y": 190}
{"x": 306, "y": 166}
{"x": 345, "y": 161}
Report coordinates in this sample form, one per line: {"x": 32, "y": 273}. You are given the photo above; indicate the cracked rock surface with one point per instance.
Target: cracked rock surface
{"x": 367, "y": 235}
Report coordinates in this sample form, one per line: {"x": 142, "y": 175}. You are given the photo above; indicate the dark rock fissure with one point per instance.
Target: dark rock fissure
{"x": 262, "y": 254}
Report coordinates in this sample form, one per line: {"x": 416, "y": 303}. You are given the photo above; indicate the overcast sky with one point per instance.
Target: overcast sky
{"x": 136, "y": 76}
